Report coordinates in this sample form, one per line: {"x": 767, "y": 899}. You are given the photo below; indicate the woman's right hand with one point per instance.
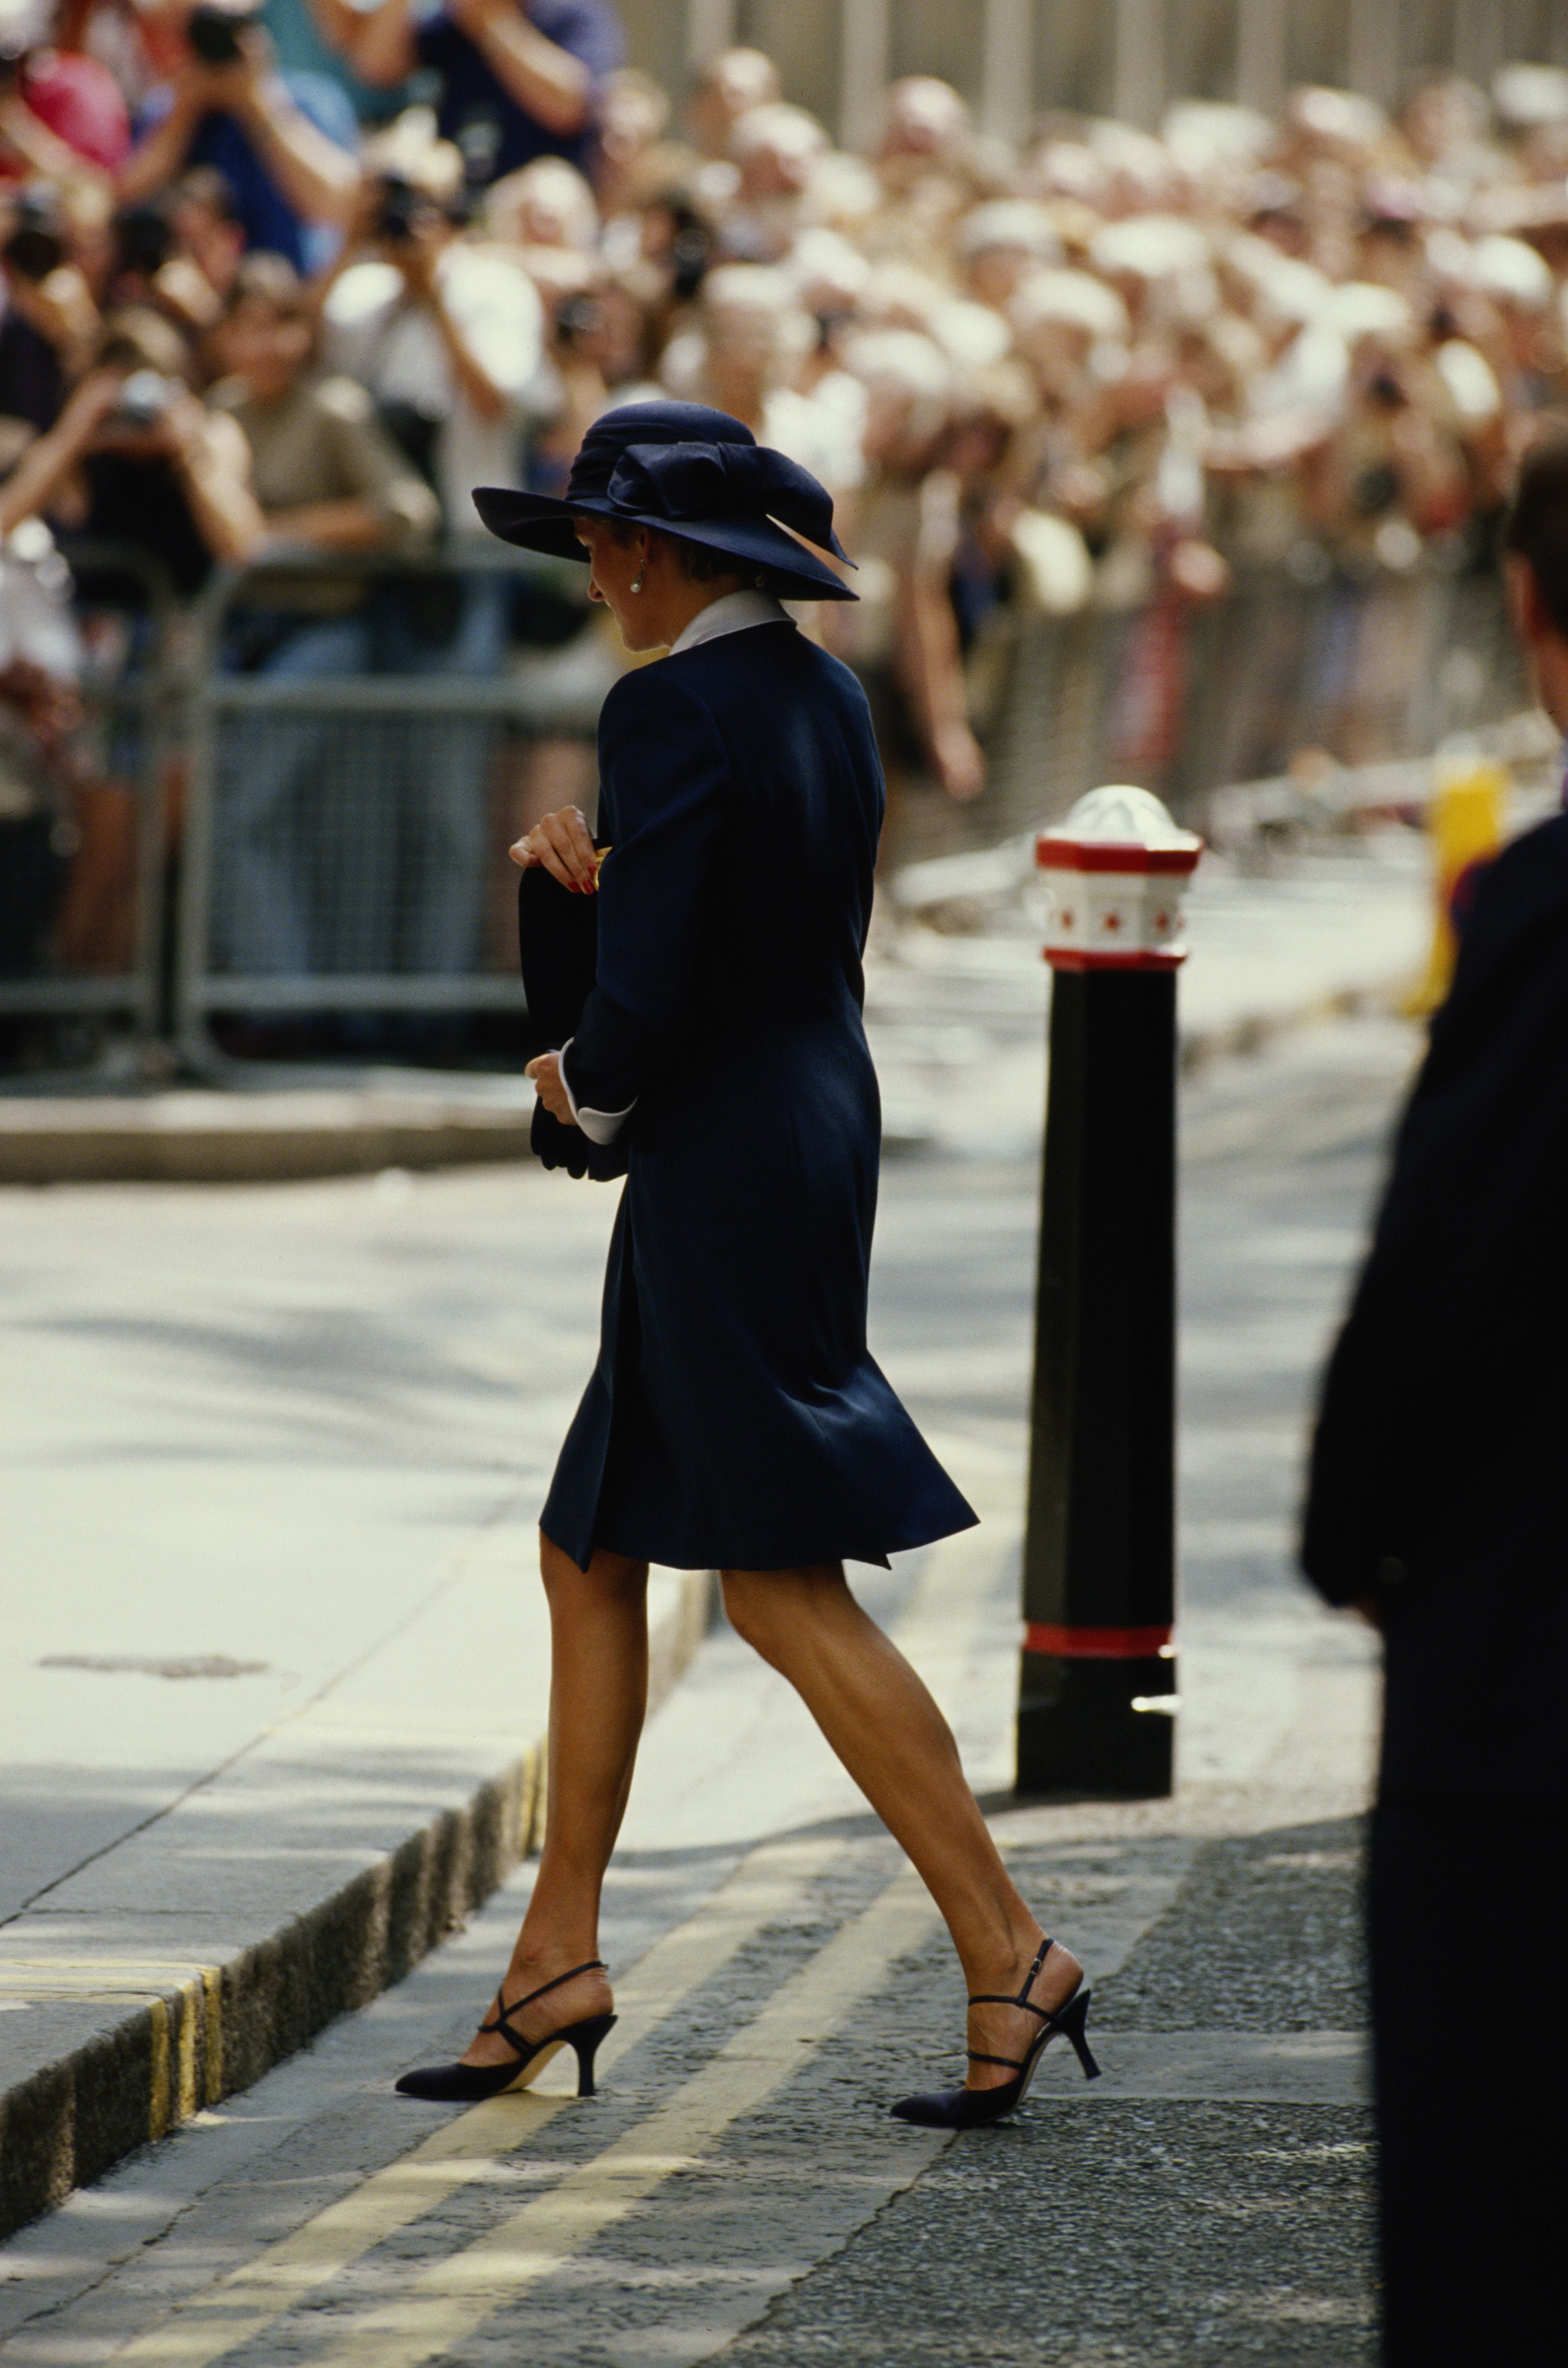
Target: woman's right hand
{"x": 563, "y": 844}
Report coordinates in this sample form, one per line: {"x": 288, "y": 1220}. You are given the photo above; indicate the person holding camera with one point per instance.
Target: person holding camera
{"x": 447, "y": 337}
{"x": 329, "y": 480}
{"x": 135, "y": 457}
{"x": 520, "y": 79}
{"x": 326, "y": 474}
{"x": 284, "y": 143}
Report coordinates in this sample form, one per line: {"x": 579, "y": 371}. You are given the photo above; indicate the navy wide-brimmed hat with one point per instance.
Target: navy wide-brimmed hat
{"x": 688, "y": 472}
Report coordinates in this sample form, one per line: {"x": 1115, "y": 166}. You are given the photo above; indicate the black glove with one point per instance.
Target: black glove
{"x": 569, "y": 1147}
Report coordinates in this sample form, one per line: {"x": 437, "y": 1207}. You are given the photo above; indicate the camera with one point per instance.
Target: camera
{"x": 144, "y": 239}
{"x": 146, "y": 398}
{"x": 579, "y": 316}
{"x": 690, "y": 250}
{"x": 401, "y": 208}
{"x": 35, "y": 247}
{"x": 214, "y": 34}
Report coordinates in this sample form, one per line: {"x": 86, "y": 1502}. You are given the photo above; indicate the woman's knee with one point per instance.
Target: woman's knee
{"x": 769, "y": 1607}
{"x": 749, "y": 1609}
{"x": 606, "y": 1574}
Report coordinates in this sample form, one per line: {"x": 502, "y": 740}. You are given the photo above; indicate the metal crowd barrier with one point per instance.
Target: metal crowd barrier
{"x": 351, "y": 734}
{"x": 351, "y": 728}
{"x": 1185, "y": 701}
{"x": 108, "y": 878}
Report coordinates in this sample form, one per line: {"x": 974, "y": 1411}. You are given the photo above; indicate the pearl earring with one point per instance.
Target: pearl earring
{"x": 637, "y": 579}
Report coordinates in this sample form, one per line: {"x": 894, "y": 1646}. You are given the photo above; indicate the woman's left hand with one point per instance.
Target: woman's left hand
{"x": 563, "y": 844}
{"x": 550, "y": 1086}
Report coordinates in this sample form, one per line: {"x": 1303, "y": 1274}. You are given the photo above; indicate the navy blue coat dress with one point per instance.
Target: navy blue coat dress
{"x": 735, "y": 1420}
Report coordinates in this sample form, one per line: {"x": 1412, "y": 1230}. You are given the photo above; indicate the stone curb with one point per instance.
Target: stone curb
{"x": 211, "y": 1137}
{"x": 177, "y": 2049}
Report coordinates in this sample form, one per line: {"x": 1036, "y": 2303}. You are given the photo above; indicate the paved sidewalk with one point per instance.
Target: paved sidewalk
{"x": 737, "y": 2191}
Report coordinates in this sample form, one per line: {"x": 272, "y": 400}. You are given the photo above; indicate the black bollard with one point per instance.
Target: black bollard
{"x": 1097, "y": 1694}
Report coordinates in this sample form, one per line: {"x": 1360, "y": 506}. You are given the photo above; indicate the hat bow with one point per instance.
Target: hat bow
{"x": 690, "y": 481}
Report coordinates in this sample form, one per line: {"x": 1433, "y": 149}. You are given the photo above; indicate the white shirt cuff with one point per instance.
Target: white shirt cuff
{"x": 599, "y": 1126}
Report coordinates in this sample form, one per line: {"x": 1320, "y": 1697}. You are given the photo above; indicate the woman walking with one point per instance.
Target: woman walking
{"x": 735, "y": 1420}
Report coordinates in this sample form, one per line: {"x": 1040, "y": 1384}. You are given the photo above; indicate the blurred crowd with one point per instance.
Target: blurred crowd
{"x": 293, "y": 280}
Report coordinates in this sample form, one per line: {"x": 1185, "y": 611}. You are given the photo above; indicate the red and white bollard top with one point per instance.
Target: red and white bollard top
{"x": 1116, "y": 872}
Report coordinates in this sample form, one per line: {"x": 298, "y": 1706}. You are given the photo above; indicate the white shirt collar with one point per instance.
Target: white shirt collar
{"x": 732, "y": 612}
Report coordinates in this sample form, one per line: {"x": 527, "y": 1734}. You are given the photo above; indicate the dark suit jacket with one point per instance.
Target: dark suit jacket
{"x": 1439, "y": 1471}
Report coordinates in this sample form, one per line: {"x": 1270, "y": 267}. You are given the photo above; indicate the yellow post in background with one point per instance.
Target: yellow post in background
{"x": 1466, "y": 821}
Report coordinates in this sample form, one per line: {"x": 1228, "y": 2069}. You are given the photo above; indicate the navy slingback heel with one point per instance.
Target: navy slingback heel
{"x": 968, "y": 2109}
{"x": 470, "y": 2084}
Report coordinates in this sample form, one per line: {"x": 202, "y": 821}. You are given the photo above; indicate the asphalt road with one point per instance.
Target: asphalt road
{"x": 737, "y": 2190}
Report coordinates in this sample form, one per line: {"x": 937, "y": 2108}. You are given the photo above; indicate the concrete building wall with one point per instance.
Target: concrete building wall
{"x": 1097, "y": 55}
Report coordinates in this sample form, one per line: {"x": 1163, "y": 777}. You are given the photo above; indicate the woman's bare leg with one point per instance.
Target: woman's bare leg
{"x": 882, "y": 1723}
{"x": 598, "y": 1699}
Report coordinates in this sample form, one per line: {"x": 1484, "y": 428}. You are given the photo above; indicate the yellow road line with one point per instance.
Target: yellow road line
{"x": 212, "y": 2034}
{"x": 453, "y": 2297}
{"x": 221, "y": 2316}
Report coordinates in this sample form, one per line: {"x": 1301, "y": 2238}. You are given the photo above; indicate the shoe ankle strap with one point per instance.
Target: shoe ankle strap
{"x": 593, "y": 1966}
{"x": 995, "y": 1997}
{"x": 503, "y": 2018}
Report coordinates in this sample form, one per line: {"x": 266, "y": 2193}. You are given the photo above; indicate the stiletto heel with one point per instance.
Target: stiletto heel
{"x": 1070, "y": 2022}
{"x": 470, "y": 2084}
{"x": 968, "y": 2109}
{"x": 585, "y": 2038}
